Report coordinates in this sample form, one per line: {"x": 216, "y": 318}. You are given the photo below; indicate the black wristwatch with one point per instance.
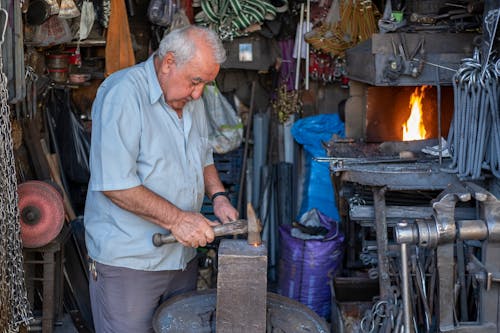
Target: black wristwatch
{"x": 226, "y": 194}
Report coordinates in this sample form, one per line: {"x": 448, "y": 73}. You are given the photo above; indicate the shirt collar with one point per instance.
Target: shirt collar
{"x": 155, "y": 91}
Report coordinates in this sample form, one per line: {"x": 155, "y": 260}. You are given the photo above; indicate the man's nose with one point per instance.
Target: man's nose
{"x": 197, "y": 91}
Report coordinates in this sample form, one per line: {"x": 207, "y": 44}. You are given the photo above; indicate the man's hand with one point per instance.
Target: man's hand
{"x": 223, "y": 209}
{"x": 193, "y": 229}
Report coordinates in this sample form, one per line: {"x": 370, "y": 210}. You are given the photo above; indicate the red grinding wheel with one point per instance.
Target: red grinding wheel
{"x": 41, "y": 210}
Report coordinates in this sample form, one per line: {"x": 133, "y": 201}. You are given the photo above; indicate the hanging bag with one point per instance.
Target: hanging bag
{"x": 72, "y": 139}
{"x": 68, "y": 10}
{"x": 225, "y": 126}
{"x": 86, "y": 20}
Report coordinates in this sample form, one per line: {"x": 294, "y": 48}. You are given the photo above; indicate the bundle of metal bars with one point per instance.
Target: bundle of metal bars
{"x": 474, "y": 134}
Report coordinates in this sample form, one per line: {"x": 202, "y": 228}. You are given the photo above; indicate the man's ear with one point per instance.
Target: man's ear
{"x": 167, "y": 62}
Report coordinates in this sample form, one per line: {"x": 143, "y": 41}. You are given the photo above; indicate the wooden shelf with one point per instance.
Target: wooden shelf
{"x": 84, "y": 43}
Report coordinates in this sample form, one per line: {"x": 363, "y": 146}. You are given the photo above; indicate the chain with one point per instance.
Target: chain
{"x": 14, "y": 305}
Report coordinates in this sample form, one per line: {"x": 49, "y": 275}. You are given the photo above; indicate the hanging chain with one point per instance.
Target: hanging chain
{"x": 14, "y": 305}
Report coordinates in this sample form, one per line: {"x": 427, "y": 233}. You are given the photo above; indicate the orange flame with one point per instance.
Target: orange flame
{"x": 413, "y": 128}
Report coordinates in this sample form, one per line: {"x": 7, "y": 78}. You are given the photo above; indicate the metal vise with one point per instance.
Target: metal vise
{"x": 445, "y": 234}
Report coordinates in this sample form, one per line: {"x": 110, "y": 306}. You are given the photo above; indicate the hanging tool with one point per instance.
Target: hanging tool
{"x": 404, "y": 63}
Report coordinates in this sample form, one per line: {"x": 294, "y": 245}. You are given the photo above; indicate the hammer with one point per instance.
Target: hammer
{"x": 237, "y": 227}
{"x": 251, "y": 226}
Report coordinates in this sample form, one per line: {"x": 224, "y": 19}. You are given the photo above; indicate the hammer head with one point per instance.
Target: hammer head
{"x": 254, "y": 227}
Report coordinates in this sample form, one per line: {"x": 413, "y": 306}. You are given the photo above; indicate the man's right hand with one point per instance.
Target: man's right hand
{"x": 193, "y": 229}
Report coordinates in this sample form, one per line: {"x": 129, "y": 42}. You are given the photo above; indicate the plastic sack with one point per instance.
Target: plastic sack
{"x": 318, "y": 189}
{"x": 53, "y": 31}
{"x": 306, "y": 267}
{"x": 68, "y": 10}
{"x": 161, "y": 12}
{"x": 225, "y": 127}
{"x": 86, "y": 20}
{"x": 72, "y": 140}
{"x": 54, "y": 6}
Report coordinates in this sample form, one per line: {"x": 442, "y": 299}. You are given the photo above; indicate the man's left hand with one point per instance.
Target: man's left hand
{"x": 223, "y": 209}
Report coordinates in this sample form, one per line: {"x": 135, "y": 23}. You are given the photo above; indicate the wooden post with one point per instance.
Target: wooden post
{"x": 241, "y": 287}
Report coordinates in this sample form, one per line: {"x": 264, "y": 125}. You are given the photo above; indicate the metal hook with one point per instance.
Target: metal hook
{"x": 4, "y": 26}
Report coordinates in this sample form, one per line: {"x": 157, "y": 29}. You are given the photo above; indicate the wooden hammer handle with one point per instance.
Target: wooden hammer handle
{"x": 237, "y": 227}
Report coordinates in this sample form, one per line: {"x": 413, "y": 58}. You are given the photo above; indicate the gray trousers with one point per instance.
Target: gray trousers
{"x": 124, "y": 300}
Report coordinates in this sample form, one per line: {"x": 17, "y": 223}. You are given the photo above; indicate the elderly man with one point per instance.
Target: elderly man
{"x": 151, "y": 166}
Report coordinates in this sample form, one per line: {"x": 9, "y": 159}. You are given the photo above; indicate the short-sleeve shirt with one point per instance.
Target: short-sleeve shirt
{"x": 137, "y": 139}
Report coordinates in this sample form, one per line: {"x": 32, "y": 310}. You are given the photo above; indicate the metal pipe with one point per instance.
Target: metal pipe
{"x": 406, "y": 288}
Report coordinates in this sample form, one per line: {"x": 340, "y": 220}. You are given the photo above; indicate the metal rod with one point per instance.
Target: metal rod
{"x": 308, "y": 19}
{"x": 440, "y": 146}
{"x": 436, "y": 65}
{"x": 464, "y": 316}
{"x": 382, "y": 242}
{"x": 406, "y": 288}
{"x": 299, "y": 47}
{"x": 246, "y": 148}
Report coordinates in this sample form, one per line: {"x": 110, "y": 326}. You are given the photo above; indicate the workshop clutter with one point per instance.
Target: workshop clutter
{"x": 347, "y": 23}
{"x": 231, "y": 18}
{"x": 224, "y": 125}
{"x": 311, "y": 252}
{"x": 57, "y": 66}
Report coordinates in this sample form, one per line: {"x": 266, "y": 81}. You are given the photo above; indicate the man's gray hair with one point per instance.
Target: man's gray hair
{"x": 183, "y": 45}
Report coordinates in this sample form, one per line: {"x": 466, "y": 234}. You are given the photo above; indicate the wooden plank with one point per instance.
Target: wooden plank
{"x": 56, "y": 177}
{"x": 241, "y": 287}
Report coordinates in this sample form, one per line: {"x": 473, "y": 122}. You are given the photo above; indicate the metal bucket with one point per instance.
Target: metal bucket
{"x": 196, "y": 313}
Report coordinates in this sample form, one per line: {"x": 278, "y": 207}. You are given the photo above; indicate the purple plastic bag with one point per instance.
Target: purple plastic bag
{"x": 306, "y": 267}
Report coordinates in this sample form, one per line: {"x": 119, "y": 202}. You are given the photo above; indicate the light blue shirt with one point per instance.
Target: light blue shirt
{"x": 137, "y": 139}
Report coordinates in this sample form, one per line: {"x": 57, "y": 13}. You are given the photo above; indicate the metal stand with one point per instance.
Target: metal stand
{"x": 51, "y": 259}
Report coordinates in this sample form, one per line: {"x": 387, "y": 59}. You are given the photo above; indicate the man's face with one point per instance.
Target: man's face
{"x": 181, "y": 84}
